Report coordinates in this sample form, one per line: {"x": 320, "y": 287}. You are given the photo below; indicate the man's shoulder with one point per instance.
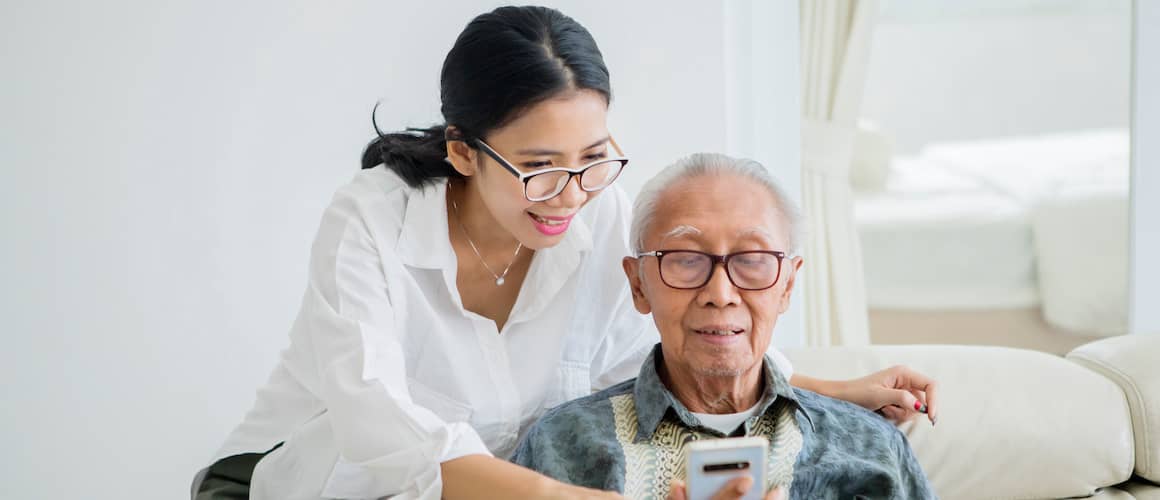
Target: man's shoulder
{"x": 571, "y": 441}
{"x": 592, "y": 406}
{"x": 829, "y": 414}
{"x": 849, "y": 451}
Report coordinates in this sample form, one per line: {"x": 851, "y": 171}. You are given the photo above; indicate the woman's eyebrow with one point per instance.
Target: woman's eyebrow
{"x": 552, "y": 152}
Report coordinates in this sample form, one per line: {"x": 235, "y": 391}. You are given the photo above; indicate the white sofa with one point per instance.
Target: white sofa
{"x": 1018, "y": 424}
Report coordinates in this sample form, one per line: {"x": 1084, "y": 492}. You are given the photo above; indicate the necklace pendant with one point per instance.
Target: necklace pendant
{"x": 499, "y": 281}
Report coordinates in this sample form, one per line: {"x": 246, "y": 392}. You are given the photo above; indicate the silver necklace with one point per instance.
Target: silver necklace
{"x": 499, "y": 278}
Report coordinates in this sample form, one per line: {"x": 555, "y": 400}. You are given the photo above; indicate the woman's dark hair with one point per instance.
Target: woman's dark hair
{"x": 504, "y": 62}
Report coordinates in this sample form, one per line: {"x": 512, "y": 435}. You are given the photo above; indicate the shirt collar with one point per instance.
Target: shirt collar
{"x": 653, "y": 400}
{"x": 423, "y": 243}
{"x": 551, "y": 269}
{"x": 423, "y": 240}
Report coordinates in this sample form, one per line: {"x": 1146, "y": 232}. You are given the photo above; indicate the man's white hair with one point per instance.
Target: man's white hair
{"x": 702, "y": 164}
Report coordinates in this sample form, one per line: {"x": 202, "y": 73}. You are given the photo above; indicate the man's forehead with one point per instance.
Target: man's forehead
{"x": 692, "y": 230}
{"x": 726, "y": 205}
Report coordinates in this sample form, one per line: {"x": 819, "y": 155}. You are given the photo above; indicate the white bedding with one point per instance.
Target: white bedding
{"x": 1033, "y": 168}
{"x": 1004, "y": 224}
{"x": 1081, "y": 246}
{"x": 938, "y": 240}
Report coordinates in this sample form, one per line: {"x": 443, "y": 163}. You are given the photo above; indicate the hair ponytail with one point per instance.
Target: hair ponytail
{"x": 416, "y": 154}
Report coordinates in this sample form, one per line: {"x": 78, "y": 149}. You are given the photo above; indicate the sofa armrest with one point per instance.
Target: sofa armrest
{"x": 1133, "y": 363}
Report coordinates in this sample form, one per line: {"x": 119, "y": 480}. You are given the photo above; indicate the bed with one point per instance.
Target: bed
{"x": 1001, "y": 232}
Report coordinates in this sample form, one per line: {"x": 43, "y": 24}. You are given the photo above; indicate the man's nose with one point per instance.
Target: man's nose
{"x": 719, "y": 291}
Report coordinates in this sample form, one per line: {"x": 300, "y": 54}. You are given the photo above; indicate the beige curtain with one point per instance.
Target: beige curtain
{"x": 835, "y": 49}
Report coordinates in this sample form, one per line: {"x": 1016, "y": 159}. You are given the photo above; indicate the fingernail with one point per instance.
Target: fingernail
{"x": 919, "y": 407}
{"x": 934, "y": 421}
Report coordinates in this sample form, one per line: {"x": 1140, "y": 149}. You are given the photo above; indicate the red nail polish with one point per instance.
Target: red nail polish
{"x": 919, "y": 407}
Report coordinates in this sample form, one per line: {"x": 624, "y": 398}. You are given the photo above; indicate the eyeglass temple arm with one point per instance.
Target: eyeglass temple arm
{"x": 615, "y": 145}
{"x": 499, "y": 159}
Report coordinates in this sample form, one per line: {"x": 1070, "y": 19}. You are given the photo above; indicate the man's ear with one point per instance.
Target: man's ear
{"x": 789, "y": 274}
{"x": 459, "y": 154}
{"x": 632, "y": 272}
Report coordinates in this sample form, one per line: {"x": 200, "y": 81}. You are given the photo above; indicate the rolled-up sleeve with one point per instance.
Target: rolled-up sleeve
{"x": 347, "y": 326}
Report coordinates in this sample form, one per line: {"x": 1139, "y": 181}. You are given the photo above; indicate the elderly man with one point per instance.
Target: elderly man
{"x": 713, "y": 237}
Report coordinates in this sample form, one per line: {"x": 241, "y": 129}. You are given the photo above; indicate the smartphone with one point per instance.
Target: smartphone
{"x": 714, "y": 462}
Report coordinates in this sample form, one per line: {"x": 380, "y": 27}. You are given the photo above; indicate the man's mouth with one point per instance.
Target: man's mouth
{"x": 720, "y": 332}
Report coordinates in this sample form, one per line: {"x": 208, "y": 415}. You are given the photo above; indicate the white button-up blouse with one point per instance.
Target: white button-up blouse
{"x": 387, "y": 375}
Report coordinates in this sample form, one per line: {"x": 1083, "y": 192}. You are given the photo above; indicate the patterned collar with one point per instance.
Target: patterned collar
{"x": 653, "y": 400}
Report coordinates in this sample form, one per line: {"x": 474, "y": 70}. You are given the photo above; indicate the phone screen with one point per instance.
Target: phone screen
{"x": 709, "y": 469}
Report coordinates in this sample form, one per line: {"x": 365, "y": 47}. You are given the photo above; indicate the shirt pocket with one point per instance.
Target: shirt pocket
{"x": 572, "y": 381}
{"x": 446, "y": 407}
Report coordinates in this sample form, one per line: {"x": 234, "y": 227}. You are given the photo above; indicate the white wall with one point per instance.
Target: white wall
{"x": 1144, "y": 293}
{"x": 164, "y": 165}
{"x": 966, "y": 72}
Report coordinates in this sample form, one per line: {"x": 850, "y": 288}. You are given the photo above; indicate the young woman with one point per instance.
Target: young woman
{"x": 466, "y": 280}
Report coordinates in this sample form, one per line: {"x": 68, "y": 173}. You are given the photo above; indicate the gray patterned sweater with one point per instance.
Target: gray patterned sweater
{"x": 630, "y": 438}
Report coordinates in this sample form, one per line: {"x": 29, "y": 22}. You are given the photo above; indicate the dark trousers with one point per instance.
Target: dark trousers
{"x": 228, "y": 478}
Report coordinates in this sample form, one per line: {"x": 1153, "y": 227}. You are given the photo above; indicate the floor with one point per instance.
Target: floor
{"x": 1022, "y": 328}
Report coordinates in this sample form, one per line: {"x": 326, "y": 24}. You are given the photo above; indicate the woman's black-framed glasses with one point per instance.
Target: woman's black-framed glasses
{"x": 690, "y": 269}
{"x": 545, "y": 184}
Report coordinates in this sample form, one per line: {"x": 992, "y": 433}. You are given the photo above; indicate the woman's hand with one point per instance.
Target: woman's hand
{"x": 732, "y": 490}
{"x": 898, "y": 393}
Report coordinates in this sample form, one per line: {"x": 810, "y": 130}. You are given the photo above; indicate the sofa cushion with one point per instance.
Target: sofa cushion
{"x": 1132, "y": 362}
{"x": 1012, "y": 423}
{"x": 1141, "y": 490}
{"x": 1111, "y": 493}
